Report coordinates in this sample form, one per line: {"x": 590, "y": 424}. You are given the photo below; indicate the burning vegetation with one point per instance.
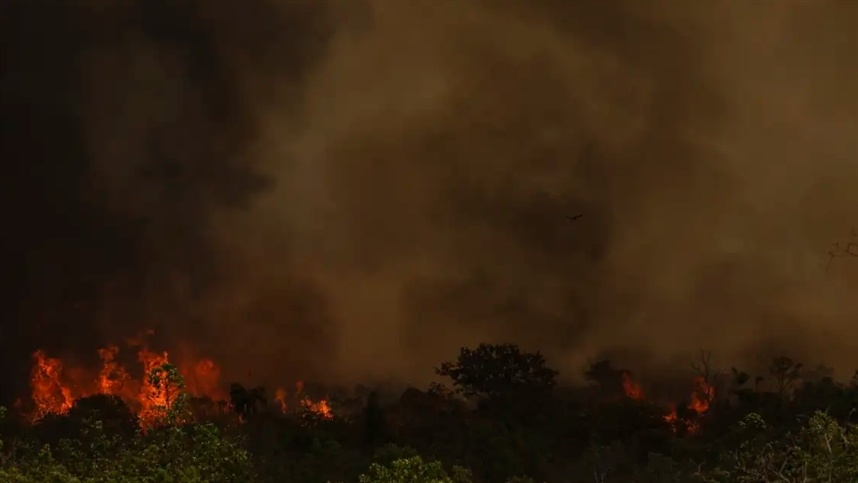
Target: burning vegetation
{"x": 501, "y": 402}
{"x": 150, "y": 390}
{"x": 699, "y": 401}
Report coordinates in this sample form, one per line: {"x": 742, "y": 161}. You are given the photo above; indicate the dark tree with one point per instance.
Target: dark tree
{"x": 607, "y": 379}
{"x": 115, "y": 417}
{"x": 114, "y": 414}
{"x": 786, "y": 373}
{"x": 246, "y": 401}
{"x": 373, "y": 423}
{"x": 847, "y": 249}
{"x": 739, "y": 387}
{"x": 498, "y": 371}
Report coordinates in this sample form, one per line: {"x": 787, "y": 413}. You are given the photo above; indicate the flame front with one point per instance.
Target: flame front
{"x": 49, "y": 394}
{"x": 55, "y": 387}
{"x": 155, "y": 395}
{"x": 113, "y": 378}
{"x": 701, "y": 400}
{"x": 702, "y": 396}
{"x": 320, "y": 409}
{"x": 55, "y": 390}
{"x": 202, "y": 378}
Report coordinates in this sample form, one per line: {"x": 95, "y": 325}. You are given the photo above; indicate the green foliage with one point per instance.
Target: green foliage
{"x": 414, "y": 470}
{"x": 195, "y": 455}
{"x": 389, "y": 453}
{"x": 169, "y": 384}
{"x": 822, "y": 450}
{"x": 175, "y": 452}
{"x": 755, "y": 433}
{"x": 521, "y": 479}
{"x": 497, "y": 452}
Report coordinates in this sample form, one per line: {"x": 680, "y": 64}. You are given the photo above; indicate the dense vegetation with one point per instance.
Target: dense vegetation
{"x": 504, "y": 420}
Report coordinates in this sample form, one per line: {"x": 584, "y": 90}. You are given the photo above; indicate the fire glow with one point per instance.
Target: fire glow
{"x": 55, "y": 387}
{"x": 700, "y": 401}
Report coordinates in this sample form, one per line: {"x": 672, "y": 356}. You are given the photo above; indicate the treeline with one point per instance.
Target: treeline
{"x": 502, "y": 418}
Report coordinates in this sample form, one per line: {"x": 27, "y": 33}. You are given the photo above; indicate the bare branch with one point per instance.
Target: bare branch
{"x": 704, "y": 367}
{"x": 786, "y": 372}
{"x": 850, "y": 249}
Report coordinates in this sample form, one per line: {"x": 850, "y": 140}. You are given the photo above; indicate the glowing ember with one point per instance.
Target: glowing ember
{"x": 280, "y": 397}
{"x": 671, "y": 416}
{"x": 202, "y": 378}
{"x": 631, "y": 388}
{"x": 319, "y": 408}
{"x": 702, "y": 396}
{"x": 701, "y": 399}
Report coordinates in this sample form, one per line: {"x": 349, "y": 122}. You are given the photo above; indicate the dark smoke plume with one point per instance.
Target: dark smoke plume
{"x": 127, "y": 127}
{"x": 351, "y": 190}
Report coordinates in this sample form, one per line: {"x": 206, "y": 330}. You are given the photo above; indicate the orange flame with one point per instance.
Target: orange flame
{"x": 202, "y": 378}
{"x": 632, "y": 389}
{"x": 55, "y": 388}
{"x": 701, "y": 400}
{"x": 320, "y": 408}
{"x": 49, "y": 394}
{"x": 702, "y": 396}
{"x": 155, "y": 396}
{"x": 113, "y": 377}
{"x": 671, "y": 416}
{"x": 280, "y": 397}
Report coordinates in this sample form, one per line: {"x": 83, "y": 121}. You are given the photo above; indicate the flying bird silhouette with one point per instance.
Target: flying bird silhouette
{"x": 574, "y": 217}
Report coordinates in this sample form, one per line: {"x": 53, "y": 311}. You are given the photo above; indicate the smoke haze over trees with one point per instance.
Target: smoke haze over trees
{"x": 502, "y": 419}
{"x": 351, "y": 190}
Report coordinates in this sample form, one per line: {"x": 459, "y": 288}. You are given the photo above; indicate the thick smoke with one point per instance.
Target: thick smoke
{"x": 351, "y": 190}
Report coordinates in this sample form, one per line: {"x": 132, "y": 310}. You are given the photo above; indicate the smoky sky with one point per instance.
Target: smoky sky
{"x": 353, "y": 190}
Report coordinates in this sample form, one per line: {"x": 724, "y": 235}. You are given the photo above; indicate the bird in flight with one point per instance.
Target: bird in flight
{"x": 574, "y": 217}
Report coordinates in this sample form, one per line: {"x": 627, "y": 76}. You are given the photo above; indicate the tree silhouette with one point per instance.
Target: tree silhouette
{"x": 373, "y": 422}
{"x": 246, "y": 402}
{"x": 785, "y": 372}
{"x": 607, "y": 379}
{"x": 848, "y": 249}
{"x": 167, "y": 382}
{"x": 499, "y": 371}
{"x": 115, "y": 415}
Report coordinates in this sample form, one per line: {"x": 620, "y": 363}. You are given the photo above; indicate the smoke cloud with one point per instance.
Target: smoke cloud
{"x": 352, "y": 190}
